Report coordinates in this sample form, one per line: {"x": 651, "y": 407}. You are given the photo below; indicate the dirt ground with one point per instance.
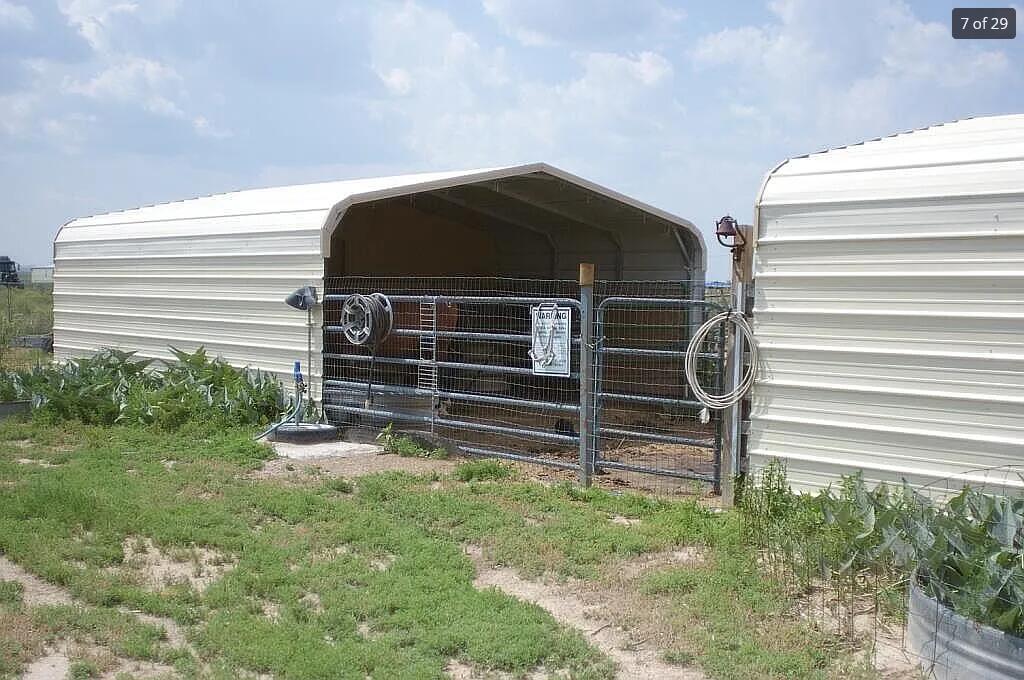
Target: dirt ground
{"x": 595, "y": 613}
{"x": 55, "y": 663}
{"x": 356, "y": 457}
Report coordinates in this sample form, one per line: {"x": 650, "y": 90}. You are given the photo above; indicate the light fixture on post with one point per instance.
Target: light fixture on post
{"x": 292, "y": 429}
{"x": 304, "y": 299}
{"x": 726, "y": 228}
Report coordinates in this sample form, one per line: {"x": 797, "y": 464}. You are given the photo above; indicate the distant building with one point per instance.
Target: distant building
{"x": 40, "y": 275}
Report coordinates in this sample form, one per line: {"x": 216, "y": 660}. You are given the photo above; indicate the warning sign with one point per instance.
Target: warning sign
{"x": 550, "y": 339}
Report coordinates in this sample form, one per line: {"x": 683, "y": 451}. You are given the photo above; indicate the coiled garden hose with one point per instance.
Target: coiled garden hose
{"x": 367, "y": 319}
{"x": 718, "y": 402}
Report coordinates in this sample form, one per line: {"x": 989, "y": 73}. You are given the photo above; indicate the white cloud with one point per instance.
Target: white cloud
{"x": 95, "y": 20}
{"x": 554, "y": 22}
{"x": 845, "y": 70}
{"x": 461, "y": 104}
{"x": 68, "y": 132}
{"x": 124, "y": 77}
{"x": 138, "y": 81}
{"x": 15, "y": 16}
{"x": 204, "y": 128}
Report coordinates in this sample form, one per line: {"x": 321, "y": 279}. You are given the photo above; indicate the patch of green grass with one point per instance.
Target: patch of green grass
{"x": 339, "y": 484}
{"x": 408, "y": 580}
{"x": 677, "y": 657}
{"x": 406, "y": 446}
{"x": 83, "y": 670}
{"x": 482, "y": 470}
{"x": 331, "y": 579}
{"x": 11, "y": 592}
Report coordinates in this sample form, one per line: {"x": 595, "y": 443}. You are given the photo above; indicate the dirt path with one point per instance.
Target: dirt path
{"x": 55, "y": 663}
{"x": 565, "y": 604}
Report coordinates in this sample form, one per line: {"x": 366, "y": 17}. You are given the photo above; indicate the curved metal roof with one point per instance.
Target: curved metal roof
{"x": 970, "y": 157}
{"x": 321, "y": 205}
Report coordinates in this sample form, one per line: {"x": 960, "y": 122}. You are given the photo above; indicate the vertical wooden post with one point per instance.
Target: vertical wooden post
{"x": 732, "y": 417}
{"x": 586, "y": 373}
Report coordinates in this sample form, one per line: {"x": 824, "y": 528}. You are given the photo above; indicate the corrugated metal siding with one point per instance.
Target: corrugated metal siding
{"x": 889, "y": 309}
{"x": 214, "y": 270}
{"x": 223, "y": 292}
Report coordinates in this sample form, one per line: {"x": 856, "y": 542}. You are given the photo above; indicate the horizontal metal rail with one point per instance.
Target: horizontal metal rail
{"x": 448, "y": 422}
{"x": 656, "y": 437}
{"x": 456, "y": 335}
{"x": 468, "y": 299}
{"x": 487, "y": 368}
{"x": 679, "y": 474}
{"x": 640, "y": 398}
{"x": 653, "y": 302}
{"x": 520, "y": 458}
{"x": 643, "y": 352}
{"x": 456, "y": 396}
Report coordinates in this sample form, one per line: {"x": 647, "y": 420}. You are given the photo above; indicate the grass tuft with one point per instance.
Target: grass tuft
{"x": 11, "y": 593}
{"x": 482, "y": 470}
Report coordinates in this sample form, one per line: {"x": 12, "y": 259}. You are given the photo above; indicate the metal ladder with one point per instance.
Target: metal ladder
{"x": 426, "y": 373}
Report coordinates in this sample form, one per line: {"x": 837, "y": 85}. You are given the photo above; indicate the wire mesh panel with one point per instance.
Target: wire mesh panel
{"x": 465, "y": 362}
{"x": 458, "y": 365}
{"x": 646, "y": 419}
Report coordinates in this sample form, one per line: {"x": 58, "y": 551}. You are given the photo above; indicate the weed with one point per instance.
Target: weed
{"x": 678, "y": 657}
{"x": 115, "y": 387}
{"x": 968, "y": 553}
{"x": 482, "y": 470}
{"x": 407, "y": 447}
{"x": 83, "y": 670}
{"x": 339, "y": 484}
{"x": 11, "y": 593}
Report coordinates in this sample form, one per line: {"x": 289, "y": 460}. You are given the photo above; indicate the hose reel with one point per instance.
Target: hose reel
{"x": 367, "y": 319}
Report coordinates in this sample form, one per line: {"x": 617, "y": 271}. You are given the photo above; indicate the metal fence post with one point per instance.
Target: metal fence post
{"x": 586, "y": 372}
{"x": 732, "y": 445}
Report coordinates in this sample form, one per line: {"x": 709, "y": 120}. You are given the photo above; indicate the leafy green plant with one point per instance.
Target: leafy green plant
{"x": 82, "y": 670}
{"x": 405, "y": 446}
{"x": 967, "y": 553}
{"x": 11, "y": 592}
{"x": 114, "y": 386}
{"x": 482, "y": 470}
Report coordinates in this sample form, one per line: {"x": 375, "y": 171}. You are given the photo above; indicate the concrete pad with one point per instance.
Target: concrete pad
{"x": 336, "y": 449}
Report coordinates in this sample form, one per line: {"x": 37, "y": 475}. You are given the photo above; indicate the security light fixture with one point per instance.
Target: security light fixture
{"x": 304, "y": 298}
{"x": 726, "y": 228}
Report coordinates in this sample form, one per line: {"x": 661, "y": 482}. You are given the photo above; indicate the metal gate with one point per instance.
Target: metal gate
{"x": 457, "y": 367}
{"x": 645, "y": 417}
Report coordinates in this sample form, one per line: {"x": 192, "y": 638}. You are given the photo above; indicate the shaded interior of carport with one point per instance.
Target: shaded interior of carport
{"x": 527, "y": 226}
{"x": 464, "y": 265}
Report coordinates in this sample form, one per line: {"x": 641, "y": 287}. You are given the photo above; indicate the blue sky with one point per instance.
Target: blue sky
{"x": 108, "y": 104}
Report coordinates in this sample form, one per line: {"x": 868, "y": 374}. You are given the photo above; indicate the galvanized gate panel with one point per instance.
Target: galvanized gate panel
{"x": 645, "y": 417}
{"x": 457, "y": 366}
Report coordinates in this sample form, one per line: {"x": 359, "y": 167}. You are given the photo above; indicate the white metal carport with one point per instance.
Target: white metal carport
{"x": 889, "y": 309}
{"x": 213, "y": 271}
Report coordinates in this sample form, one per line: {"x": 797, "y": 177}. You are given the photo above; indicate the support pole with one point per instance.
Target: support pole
{"x": 732, "y": 432}
{"x": 586, "y": 372}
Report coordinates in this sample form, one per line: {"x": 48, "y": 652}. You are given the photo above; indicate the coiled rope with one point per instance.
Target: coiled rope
{"x": 718, "y": 402}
